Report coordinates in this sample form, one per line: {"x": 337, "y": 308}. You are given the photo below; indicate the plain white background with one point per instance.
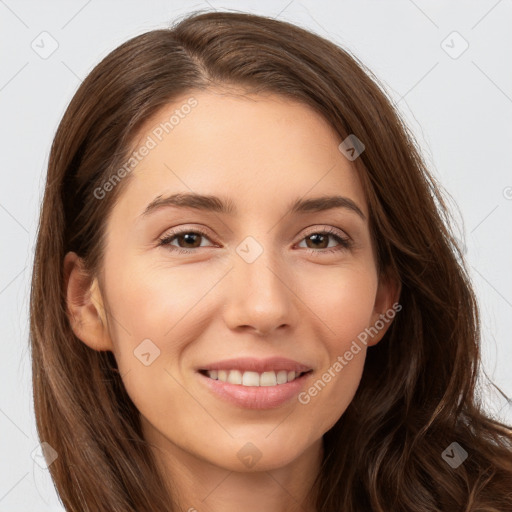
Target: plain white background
{"x": 457, "y": 100}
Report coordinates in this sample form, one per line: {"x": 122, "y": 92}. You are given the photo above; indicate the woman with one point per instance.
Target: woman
{"x": 256, "y": 369}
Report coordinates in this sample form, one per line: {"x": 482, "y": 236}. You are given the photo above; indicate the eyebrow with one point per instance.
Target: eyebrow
{"x": 226, "y": 206}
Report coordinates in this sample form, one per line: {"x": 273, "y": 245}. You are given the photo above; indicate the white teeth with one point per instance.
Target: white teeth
{"x": 235, "y": 377}
{"x": 282, "y": 377}
{"x": 268, "y": 379}
{"x": 253, "y": 379}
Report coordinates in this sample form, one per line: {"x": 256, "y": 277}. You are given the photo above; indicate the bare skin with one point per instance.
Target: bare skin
{"x": 297, "y": 299}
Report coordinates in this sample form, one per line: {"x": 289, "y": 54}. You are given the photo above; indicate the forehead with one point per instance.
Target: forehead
{"x": 261, "y": 150}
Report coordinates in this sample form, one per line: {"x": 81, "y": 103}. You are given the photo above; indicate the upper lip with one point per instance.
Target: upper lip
{"x": 252, "y": 364}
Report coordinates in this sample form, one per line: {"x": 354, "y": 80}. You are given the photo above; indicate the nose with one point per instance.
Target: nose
{"x": 259, "y": 296}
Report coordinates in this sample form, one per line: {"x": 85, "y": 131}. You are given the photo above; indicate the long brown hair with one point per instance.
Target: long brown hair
{"x": 417, "y": 394}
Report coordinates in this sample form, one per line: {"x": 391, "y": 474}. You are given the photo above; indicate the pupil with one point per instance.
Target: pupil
{"x": 316, "y": 237}
{"x": 187, "y": 235}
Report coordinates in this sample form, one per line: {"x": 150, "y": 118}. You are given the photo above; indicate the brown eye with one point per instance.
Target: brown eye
{"x": 318, "y": 241}
{"x": 187, "y": 240}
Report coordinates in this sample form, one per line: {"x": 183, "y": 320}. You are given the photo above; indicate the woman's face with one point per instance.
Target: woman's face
{"x": 261, "y": 292}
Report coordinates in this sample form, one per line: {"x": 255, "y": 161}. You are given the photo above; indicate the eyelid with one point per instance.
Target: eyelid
{"x": 203, "y": 231}
{"x": 325, "y": 228}
{"x": 173, "y": 232}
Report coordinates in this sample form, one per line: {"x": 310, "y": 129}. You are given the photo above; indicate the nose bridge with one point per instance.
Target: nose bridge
{"x": 258, "y": 295}
{"x": 258, "y": 266}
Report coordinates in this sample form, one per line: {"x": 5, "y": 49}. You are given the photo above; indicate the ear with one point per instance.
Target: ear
{"x": 386, "y": 306}
{"x": 85, "y": 307}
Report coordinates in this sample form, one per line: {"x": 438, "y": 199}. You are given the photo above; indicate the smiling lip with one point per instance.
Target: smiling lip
{"x": 256, "y": 397}
{"x": 250, "y": 364}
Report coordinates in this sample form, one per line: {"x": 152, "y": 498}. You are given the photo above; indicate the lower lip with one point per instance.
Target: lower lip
{"x": 256, "y": 397}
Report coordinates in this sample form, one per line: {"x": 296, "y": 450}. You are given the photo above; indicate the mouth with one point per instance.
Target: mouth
{"x": 254, "y": 379}
{"x": 253, "y": 383}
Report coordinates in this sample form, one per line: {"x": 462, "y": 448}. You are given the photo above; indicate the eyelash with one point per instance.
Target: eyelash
{"x": 345, "y": 243}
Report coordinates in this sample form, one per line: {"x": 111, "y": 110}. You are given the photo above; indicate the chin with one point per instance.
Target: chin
{"x": 252, "y": 454}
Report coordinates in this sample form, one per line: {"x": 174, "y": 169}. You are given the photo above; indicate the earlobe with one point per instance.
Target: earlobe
{"x": 386, "y": 305}
{"x": 85, "y": 308}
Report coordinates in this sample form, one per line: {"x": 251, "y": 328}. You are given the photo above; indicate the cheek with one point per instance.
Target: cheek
{"x": 154, "y": 315}
{"x": 148, "y": 302}
{"x": 147, "y": 322}
{"x": 344, "y": 303}
{"x": 332, "y": 388}
{"x": 329, "y": 394}
{"x": 345, "y": 308}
